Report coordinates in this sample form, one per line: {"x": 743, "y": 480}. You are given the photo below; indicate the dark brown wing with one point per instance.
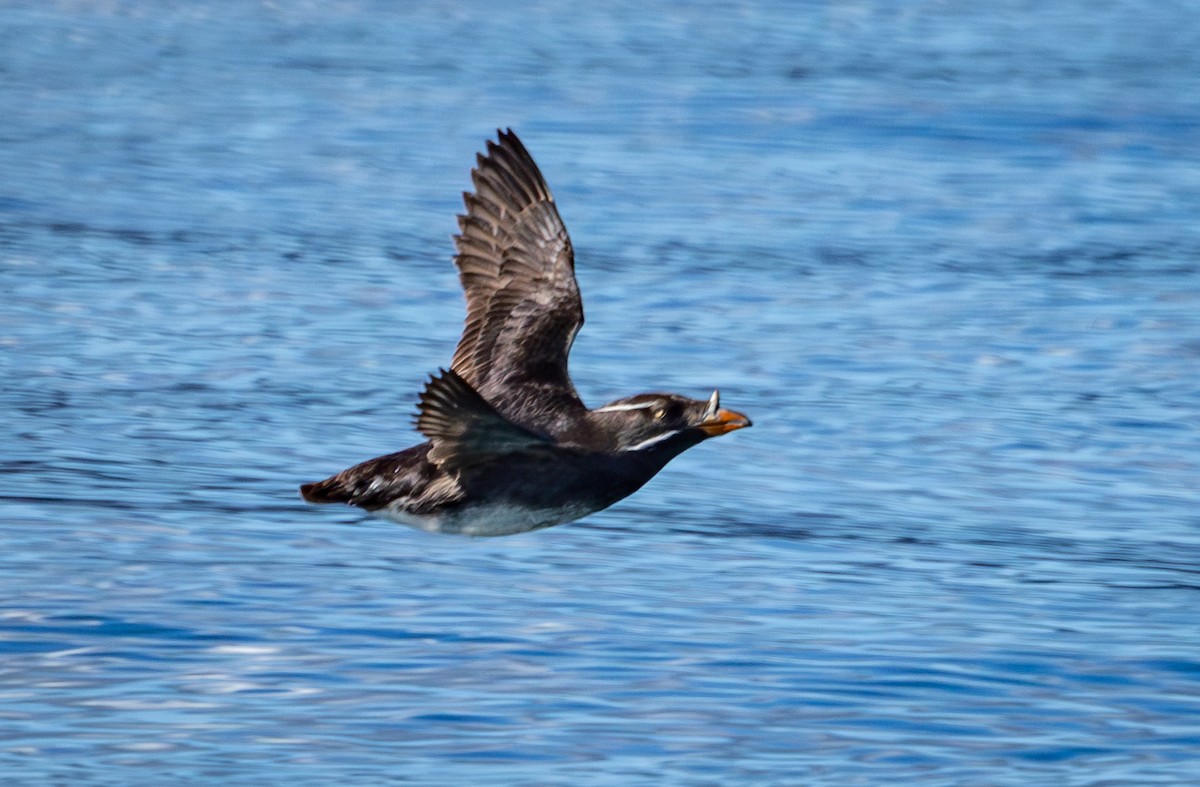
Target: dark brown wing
{"x": 465, "y": 429}
{"x": 523, "y": 308}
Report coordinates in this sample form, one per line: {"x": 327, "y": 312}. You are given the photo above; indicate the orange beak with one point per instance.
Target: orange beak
{"x": 724, "y": 421}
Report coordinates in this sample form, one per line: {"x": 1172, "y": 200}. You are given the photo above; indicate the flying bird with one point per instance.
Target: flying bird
{"x": 510, "y": 445}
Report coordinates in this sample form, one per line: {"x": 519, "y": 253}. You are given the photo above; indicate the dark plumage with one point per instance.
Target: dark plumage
{"x": 511, "y": 446}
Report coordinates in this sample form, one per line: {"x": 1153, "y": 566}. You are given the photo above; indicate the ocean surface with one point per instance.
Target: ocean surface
{"x": 945, "y": 254}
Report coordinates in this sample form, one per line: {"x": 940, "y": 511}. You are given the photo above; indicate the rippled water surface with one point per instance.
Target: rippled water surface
{"x": 944, "y": 254}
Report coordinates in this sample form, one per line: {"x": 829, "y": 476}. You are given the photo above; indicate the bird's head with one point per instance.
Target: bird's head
{"x": 661, "y": 423}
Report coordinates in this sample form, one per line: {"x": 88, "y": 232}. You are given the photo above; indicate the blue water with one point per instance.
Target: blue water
{"x": 945, "y": 255}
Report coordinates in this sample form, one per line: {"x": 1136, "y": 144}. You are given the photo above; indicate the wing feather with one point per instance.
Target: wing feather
{"x": 517, "y": 268}
{"x": 465, "y": 429}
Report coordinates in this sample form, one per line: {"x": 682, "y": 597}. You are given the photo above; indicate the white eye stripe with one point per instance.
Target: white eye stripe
{"x": 617, "y": 408}
{"x": 647, "y": 443}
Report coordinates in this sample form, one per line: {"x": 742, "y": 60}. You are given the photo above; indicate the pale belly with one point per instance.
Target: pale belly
{"x": 486, "y": 520}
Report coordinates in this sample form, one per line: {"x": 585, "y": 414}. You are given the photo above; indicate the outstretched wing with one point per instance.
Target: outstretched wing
{"x": 464, "y": 429}
{"x": 518, "y": 270}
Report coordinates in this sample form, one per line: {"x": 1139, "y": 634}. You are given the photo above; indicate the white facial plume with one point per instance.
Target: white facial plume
{"x": 714, "y": 404}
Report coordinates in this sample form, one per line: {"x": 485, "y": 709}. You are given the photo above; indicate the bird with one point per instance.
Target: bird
{"x": 510, "y": 446}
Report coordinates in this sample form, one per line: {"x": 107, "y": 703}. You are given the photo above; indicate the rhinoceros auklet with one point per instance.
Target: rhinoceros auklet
{"x": 510, "y": 445}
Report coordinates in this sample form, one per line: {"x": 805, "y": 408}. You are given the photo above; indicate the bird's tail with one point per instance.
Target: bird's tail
{"x": 376, "y": 482}
{"x": 331, "y": 490}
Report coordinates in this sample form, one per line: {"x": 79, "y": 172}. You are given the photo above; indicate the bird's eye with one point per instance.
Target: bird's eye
{"x": 660, "y": 413}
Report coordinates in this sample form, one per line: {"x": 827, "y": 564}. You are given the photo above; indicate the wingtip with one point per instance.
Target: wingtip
{"x": 507, "y": 139}
{"x": 446, "y": 387}
{"x": 430, "y": 384}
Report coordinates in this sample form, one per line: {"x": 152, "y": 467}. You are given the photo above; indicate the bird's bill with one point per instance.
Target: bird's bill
{"x": 723, "y": 421}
